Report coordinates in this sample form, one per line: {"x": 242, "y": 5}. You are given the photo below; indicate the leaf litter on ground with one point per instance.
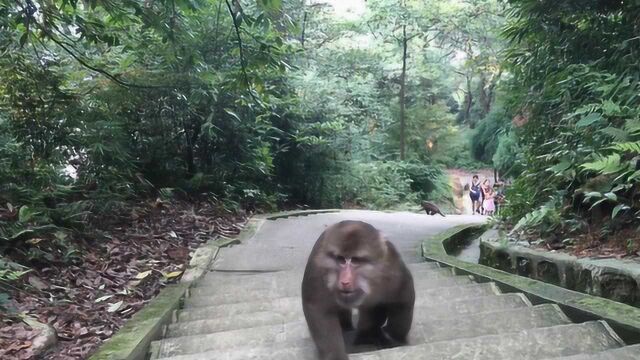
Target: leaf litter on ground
{"x": 119, "y": 273}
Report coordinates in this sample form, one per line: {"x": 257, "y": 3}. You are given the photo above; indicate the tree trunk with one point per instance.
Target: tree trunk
{"x": 304, "y": 26}
{"x": 402, "y": 92}
{"x": 484, "y": 95}
{"x": 468, "y": 103}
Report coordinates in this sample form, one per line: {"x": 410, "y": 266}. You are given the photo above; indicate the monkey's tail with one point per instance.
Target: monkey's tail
{"x": 440, "y": 212}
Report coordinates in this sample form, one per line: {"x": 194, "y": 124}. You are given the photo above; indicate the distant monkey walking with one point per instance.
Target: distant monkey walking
{"x": 431, "y": 208}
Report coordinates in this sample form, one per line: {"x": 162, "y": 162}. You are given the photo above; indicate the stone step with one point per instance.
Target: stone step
{"x": 226, "y": 323}
{"x": 227, "y": 295}
{"x": 426, "y": 326}
{"x": 499, "y": 321}
{"x": 419, "y": 267}
{"x": 530, "y": 344}
{"x": 244, "y": 338}
{"x": 623, "y": 353}
{"x": 429, "y": 294}
{"x": 423, "y": 265}
{"x": 536, "y": 343}
{"x": 221, "y": 277}
{"x": 424, "y": 330}
{"x": 437, "y": 310}
{"x": 286, "y": 278}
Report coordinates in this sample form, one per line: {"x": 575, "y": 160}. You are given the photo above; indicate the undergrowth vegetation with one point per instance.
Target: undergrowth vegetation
{"x": 574, "y": 122}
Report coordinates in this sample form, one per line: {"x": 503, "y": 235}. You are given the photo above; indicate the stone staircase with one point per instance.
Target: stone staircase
{"x": 240, "y": 316}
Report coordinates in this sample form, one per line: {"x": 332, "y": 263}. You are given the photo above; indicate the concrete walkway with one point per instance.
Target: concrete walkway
{"x": 249, "y": 306}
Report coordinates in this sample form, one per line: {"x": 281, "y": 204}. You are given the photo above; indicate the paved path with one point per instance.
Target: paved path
{"x": 285, "y": 244}
{"x": 249, "y": 306}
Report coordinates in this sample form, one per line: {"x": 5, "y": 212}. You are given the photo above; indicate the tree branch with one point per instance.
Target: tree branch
{"x": 240, "y": 48}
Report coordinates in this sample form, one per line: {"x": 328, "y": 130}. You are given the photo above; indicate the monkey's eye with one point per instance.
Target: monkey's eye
{"x": 337, "y": 258}
{"x": 359, "y": 260}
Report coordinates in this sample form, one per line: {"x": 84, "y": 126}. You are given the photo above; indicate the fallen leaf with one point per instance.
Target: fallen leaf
{"x": 115, "y": 306}
{"x": 173, "y": 274}
{"x": 37, "y": 283}
{"x": 123, "y": 292}
{"x": 103, "y": 298}
{"x": 34, "y": 241}
{"x": 143, "y": 274}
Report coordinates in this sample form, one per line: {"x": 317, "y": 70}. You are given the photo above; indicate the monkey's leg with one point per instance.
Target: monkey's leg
{"x": 346, "y": 319}
{"x": 326, "y": 333}
{"x": 370, "y": 321}
{"x": 399, "y": 322}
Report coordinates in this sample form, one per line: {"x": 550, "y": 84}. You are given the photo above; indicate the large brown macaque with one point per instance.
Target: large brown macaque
{"x": 351, "y": 267}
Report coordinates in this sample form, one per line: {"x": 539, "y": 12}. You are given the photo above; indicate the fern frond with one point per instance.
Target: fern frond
{"x": 616, "y": 133}
{"x": 629, "y": 146}
{"x": 632, "y": 126}
{"x": 605, "y": 164}
{"x": 532, "y": 219}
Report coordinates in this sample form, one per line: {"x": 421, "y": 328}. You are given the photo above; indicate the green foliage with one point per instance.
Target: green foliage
{"x": 382, "y": 185}
{"x": 102, "y": 104}
{"x": 485, "y": 140}
{"x": 9, "y": 273}
{"x": 574, "y": 105}
{"x": 253, "y": 104}
{"x": 508, "y": 156}
{"x": 378, "y": 185}
{"x": 545, "y": 219}
{"x": 454, "y": 151}
{"x": 620, "y": 167}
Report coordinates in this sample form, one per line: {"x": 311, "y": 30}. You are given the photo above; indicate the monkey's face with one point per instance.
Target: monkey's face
{"x": 348, "y": 281}
{"x": 350, "y": 271}
{"x": 352, "y": 259}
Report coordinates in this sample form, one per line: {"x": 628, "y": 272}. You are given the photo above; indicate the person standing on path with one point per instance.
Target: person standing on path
{"x": 488, "y": 204}
{"x": 475, "y": 193}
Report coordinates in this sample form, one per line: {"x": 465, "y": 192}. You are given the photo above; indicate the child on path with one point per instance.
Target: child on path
{"x": 488, "y": 203}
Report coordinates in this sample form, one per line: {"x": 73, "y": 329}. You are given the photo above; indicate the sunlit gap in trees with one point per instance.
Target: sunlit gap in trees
{"x": 347, "y": 9}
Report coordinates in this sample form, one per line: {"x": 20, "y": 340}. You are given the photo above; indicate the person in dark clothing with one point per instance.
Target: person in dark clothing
{"x": 475, "y": 193}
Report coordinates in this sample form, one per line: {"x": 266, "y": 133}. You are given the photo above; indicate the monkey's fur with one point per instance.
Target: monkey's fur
{"x": 351, "y": 267}
{"x": 431, "y": 208}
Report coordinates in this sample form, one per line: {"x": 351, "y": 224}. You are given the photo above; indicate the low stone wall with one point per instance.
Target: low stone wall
{"x": 614, "y": 279}
{"x": 580, "y": 307}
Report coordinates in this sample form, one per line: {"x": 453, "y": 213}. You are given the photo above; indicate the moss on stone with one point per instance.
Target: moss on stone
{"x": 133, "y": 339}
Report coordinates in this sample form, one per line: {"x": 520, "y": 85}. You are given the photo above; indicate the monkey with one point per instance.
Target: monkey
{"x": 431, "y": 208}
{"x": 352, "y": 266}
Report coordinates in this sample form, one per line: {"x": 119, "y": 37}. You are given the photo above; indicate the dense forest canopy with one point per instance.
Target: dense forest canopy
{"x": 280, "y": 103}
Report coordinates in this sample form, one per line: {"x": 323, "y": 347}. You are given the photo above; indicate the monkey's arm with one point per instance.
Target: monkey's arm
{"x": 326, "y": 332}
{"x": 400, "y": 313}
